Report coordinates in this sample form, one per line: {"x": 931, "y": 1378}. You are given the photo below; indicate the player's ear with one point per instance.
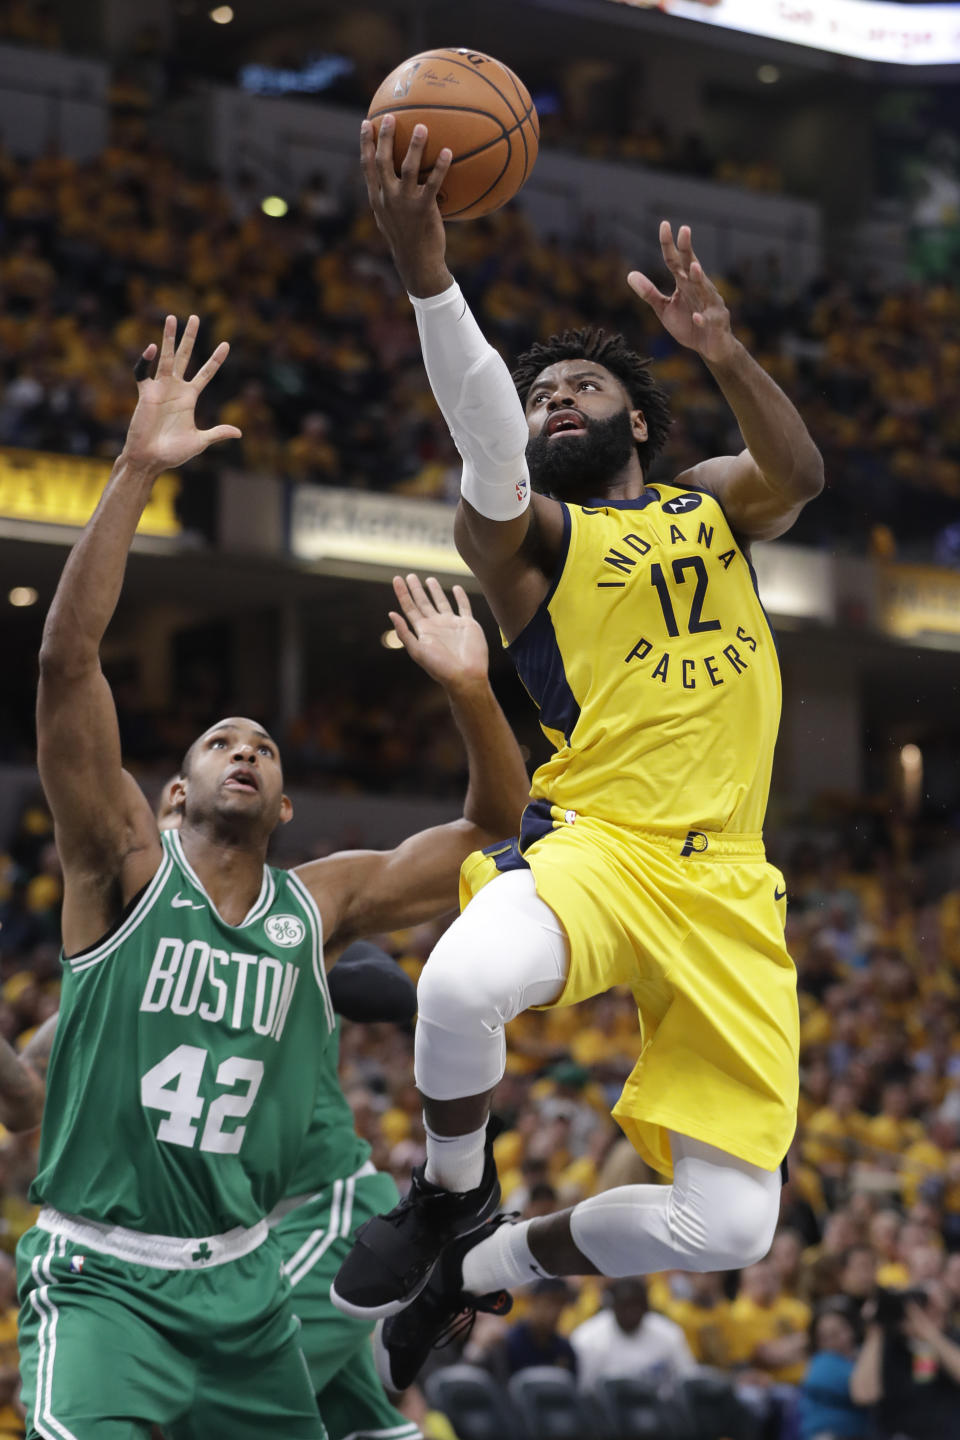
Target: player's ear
{"x": 286, "y": 809}
{"x": 173, "y": 798}
{"x": 638, "y": 425}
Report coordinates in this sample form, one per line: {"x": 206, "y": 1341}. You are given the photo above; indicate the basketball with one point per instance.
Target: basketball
{"x": 476, "y": 107}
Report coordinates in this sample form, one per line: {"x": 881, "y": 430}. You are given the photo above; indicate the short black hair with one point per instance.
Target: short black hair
{"x": 591, "y": 342}
{"x": 184, "y": 772}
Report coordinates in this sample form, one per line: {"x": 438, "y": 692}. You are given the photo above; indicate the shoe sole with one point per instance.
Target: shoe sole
{"x": 381, "y": 1361}
{"x": 393, "y": 1307}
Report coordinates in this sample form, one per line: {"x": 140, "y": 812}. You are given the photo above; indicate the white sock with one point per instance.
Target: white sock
{"x": 502, "y": 1262}
{"x": 455, "y": 1162}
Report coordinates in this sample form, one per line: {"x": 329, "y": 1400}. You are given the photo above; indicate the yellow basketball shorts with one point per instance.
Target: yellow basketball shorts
{"x": 693, "y": 924}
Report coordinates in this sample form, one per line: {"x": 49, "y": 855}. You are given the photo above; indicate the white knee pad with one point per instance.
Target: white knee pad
{"x": 719, "y": 1214}
{"x": 506, "y": 952}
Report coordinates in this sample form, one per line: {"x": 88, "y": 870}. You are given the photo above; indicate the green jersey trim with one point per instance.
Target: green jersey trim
{"x": 315, "y": 921}
{"x": 87, "y": 958}
{"x": 287, "y": 1206}
{"x": 318, "y": 1242}
{"x": 260, "y": 906}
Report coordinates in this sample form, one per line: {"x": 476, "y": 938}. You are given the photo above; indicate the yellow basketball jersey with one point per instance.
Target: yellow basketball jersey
{"x": 654, "y": 669}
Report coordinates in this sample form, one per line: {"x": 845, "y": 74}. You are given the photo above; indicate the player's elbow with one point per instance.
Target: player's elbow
{"x": 809, "y": 475}
{"x": 63, "y": 659}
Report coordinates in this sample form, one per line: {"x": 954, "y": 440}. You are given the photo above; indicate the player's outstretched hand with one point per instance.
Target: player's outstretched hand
{"x": 163, "y": 432}
{"x": 695, "y": 314}
{"x": 450, "y": 645}
{"x": 405, "y": 210}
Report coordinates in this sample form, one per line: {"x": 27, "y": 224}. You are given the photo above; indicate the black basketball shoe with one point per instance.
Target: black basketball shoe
{"x": 441, "y": 1313}
{"x": 394, "y": 1254}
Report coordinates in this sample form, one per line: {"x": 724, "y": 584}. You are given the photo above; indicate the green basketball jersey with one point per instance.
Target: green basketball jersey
{"x": 332, "y": 1149}
{"x": 187, "y": 1058}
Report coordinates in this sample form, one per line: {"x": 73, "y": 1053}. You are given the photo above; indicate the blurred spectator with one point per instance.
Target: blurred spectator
{"x": 630, "y": 1339}
{"x": 704, "y": 1314}
{"x": 310, "y": 454}
{"x": 825, "y": 1408}
{"x": 770, "y": 1329}
{"x": 857, "y": 1279}
{"x": 535, "y": 1340}
{"x": 908, "y": 1367}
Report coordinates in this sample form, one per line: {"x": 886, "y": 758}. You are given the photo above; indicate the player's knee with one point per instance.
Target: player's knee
{"x": 739, "y": 1233}
{"x": 455, "y": 987}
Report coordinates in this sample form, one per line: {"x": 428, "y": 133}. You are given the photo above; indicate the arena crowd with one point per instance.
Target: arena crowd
{"x": 325, "y": 378}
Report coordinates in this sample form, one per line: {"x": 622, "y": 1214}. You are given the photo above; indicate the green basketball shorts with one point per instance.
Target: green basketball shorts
{"x": 198, "y": 1342}
{"x": 314, "y": 1237}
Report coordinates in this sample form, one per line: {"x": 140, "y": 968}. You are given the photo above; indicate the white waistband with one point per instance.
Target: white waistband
{"x": 166, "y": 1252}
{"x": 289, "y": 1203}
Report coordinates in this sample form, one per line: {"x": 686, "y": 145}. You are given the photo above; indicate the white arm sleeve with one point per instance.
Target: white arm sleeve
{"x": 479, "y": 402}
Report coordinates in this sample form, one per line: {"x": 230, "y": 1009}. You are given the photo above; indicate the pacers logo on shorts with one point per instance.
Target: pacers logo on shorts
{"x": 284, "y": 930}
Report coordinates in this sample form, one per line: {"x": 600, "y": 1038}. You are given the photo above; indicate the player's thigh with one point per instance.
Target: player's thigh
{"x": 269, "y": 1399}
{"x": 354, "y": 1404}
{"x": 92, "y": 1364}
{"x": 315, "y": 1240}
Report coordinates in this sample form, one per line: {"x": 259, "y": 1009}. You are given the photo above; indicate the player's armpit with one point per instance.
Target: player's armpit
{"x": 515, "y": 561}
{"x": 756, "y": 507}
{"x": 364, "y": 892}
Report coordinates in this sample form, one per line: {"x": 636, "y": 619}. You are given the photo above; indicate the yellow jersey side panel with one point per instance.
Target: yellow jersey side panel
{"x": 655, "y": 669}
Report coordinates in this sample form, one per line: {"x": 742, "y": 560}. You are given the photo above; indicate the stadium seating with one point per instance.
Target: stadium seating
{"x": 473, "y": 1402}
{"x": 711, "y": 1409}
{"x": 551, "y": 1407}
{"x": 636, "y": 1409}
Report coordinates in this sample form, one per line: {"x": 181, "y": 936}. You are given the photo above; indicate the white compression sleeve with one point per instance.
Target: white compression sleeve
{"x": 479, "y": 402}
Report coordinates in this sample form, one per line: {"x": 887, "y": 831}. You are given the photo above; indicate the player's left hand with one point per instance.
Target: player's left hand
{"x": 450, "y": 645}
{"x": 695, "y": 314}
{"x": 163, "y": 431}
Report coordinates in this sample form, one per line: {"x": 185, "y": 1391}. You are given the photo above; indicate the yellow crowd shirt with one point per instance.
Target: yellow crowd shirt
{"x": 654, "y": 669}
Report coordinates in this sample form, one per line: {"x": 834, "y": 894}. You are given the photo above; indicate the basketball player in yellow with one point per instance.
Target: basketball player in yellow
{"x": 633, "y": 618}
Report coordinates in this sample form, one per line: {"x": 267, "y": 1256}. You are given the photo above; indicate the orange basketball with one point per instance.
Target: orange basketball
{"x": 477, "y": 108}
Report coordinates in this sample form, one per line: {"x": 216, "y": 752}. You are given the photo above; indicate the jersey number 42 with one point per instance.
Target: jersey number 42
{"x": 173, "y": 1085}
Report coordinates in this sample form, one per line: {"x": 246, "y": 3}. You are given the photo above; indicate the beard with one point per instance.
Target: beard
{"x": 584, "y": 466}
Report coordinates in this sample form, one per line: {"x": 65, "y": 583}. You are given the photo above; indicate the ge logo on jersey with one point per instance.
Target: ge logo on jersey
{"x": 284, "y": 930}
{"x": 680, "y": 504}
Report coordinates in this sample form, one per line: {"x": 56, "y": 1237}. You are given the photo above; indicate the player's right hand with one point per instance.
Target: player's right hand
{"x": 163, "y": 431}
{"x": 405, "y": 210}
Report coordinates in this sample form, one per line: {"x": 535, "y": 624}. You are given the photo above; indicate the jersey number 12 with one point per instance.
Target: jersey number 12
{"x": 696, "y": 623}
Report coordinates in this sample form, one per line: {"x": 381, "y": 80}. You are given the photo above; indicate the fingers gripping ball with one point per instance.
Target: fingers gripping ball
{"x": 474, "y": 106}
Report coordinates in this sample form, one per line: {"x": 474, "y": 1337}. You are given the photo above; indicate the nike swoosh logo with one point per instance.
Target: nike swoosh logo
{"x": 179, "y": 904}
{"x": 779, "y": 894}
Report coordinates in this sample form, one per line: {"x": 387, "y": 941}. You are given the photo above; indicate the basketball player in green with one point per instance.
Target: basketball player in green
{"x": 334, "y": 1189}
{"x": 195, "y": 1015}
